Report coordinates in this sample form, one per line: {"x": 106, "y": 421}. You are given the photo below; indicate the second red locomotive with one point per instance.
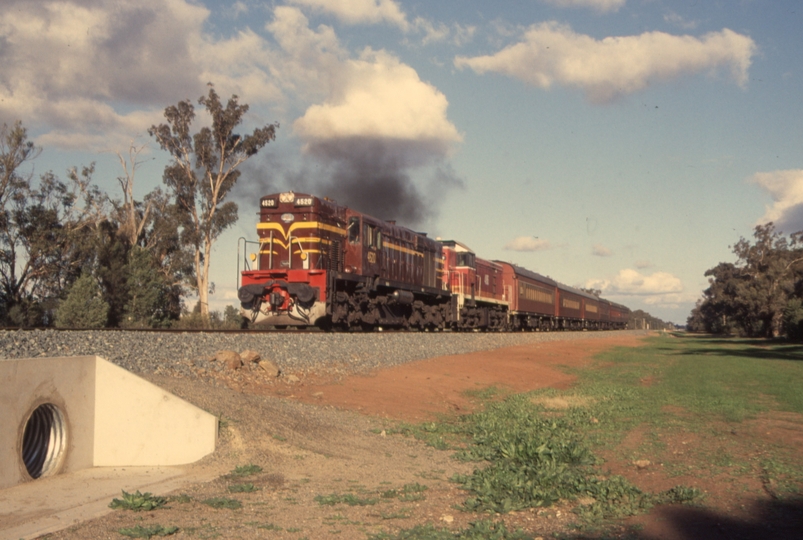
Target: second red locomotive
{"x": 326, "y": 265}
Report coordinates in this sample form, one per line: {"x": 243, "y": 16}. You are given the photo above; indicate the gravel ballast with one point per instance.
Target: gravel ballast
{"x": 293, "y": 352}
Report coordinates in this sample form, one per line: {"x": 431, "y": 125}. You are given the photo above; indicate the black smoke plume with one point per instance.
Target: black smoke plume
{"x": 374, "y": 177}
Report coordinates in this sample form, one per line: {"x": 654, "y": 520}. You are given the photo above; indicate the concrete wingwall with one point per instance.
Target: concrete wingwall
{"x": 86, "y": 412}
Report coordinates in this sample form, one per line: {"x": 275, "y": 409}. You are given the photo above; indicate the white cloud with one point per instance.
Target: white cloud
{"x": 676, "y": 20}
{"x": 380, "y": 97}
{"x": 528, "y": 243}
{"x": 642, "y": 264}
{"x": 91, "y": 75}
{"x": 606, "y": 69}
{"x": 629, "y": 282}
{"x": 599, "y": 5}
{"x": 601, "y": 251}
{"x": 360, "y": 11}
{"x": 434, "y": 33}
{"x": 786, "y": 189}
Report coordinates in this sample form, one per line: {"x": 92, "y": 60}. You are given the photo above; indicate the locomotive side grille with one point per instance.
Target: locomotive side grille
{"x": 335, "y": 256}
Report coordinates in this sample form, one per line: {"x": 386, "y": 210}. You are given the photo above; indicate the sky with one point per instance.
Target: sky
{"x": 622, "y": 145}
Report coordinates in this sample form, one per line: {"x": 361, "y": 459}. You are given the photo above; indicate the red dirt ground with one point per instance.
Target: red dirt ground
{"x": 422, "y": 390}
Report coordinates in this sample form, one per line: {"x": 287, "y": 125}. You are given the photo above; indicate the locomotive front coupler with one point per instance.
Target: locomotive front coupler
{"x": 276, "y": 300}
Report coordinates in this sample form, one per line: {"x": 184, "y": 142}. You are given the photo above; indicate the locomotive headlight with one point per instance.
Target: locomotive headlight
{"x": 287, "y": 197}
{"x": 302, "y": 256}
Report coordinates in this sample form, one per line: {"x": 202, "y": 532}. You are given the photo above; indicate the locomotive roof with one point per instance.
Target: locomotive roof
{"x": 332, "y": 207}
{"x": 459, "y": 246}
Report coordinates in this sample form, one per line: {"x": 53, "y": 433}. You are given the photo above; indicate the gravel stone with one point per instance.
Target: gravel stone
{"x": 192, "y": 354}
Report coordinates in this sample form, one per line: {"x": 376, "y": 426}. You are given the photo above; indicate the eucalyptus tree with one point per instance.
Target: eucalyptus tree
{"x": 754, "y": 293}
{"x": 770, "y": 266}
{"x": 47, "y": 229}
{"x": 201, "y": 174}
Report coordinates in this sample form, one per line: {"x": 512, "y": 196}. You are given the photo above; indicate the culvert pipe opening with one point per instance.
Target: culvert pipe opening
{"x": 44, "y": 440}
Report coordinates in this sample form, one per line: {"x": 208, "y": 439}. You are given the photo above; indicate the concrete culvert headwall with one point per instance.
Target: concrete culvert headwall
{"x": 66, "y": 414}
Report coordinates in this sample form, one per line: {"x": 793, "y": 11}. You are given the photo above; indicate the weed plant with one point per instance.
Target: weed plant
{"x": 142, "y": 531}
{"x": 138, "y": 502}
{"x": 243, "y": 488}
{"x": 481, "y": 530}
{"x": 245, "y": 470}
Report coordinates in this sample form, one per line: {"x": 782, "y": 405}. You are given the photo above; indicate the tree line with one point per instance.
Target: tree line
{"x": 72, "y": 255}
{"x": 761, "y": 294}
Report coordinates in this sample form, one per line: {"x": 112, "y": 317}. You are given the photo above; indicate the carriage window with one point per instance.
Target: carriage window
{"x": 379, "y": 239}
{"x": 354, "y": 230}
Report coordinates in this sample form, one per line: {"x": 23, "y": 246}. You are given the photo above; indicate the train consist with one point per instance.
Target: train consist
{"x": 326, "y": 265}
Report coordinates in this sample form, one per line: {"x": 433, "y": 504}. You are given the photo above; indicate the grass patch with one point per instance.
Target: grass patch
{"x": 243, "y": 488}
{"x": 404, "y": 513}
{"x": 481, "y": 530}
{"x": 245, "y": 470}
{"x": 407, "y": 493}
{"x": 142, "y": 531}
{"x": 535, "y": 460}
{"x": 138, "y": 502}
{"x": 345, "y": 498}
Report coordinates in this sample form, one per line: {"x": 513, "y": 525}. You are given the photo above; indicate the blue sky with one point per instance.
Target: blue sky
{"x": 617, "y": 144}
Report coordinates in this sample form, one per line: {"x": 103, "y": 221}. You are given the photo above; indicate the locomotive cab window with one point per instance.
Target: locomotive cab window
{"x": 354, "y": 230}
{"x": 371, "y": 236}
{"x": 465, "y": 259}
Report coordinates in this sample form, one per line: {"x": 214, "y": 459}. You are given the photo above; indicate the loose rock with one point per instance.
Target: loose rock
{"x": 271, "y": 369}
{"x": 250, "y": 357}
{"x": 231, "y": 359}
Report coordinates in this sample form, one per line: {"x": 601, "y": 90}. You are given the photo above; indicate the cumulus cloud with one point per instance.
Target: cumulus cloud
{"x": 551, "y": 53}
{"x": 629, "y": 282}
{"x": 599, "y": 5}
{"x": 601, "y": 251}
{"x": 380, "y": 96}
{"x": 91, "y": 74}
{"x": 786, "y": 190}
{"x": 528, "y": 243}
{"x": 360, "y": 11}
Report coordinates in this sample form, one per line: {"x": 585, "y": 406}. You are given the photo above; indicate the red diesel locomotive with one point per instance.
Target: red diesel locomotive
{"x": 326, "y": 265}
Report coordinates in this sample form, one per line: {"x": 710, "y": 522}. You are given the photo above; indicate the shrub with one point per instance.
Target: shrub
{"x": 84, "y": 306}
